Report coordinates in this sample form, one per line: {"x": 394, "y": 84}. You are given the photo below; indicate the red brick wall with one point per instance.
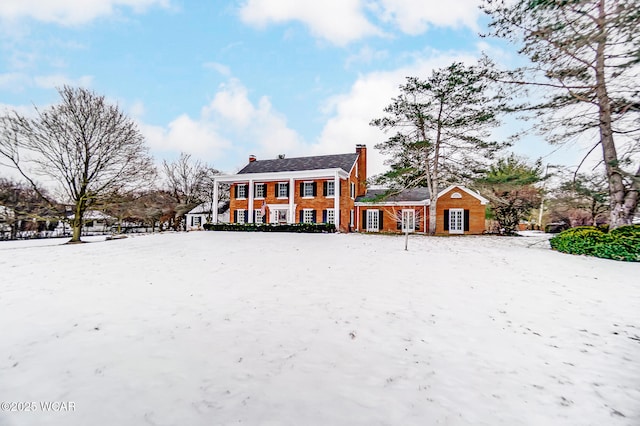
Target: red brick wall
{"x": 467, "y": 202}
{"x": 318, "y": 203}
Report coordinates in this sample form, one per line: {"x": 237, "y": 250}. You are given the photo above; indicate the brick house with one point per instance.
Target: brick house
{"x": 333, "y": 189}
{"x": 459, "y": 210}
{"x": 294, "y": 190}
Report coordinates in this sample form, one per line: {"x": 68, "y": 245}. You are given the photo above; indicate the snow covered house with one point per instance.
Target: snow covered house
{"x": 95, "y": 222}
{"x": 333, "y": 189}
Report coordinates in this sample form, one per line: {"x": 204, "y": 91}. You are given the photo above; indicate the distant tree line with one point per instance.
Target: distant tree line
{"x": 94, "y": 158}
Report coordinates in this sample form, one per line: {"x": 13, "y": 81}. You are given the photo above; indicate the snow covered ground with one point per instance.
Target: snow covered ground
{"x": 208, "y": 328}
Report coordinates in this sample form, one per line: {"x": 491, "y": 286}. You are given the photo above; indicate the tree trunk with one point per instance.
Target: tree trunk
{"x": 623, "y": 203}
{"x": 433, "y": 205}
{"x": 76, "y": 223}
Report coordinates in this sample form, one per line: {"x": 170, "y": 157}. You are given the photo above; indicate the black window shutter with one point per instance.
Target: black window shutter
{"x": 235, "y": 191}
{"x": 246, "y": 216}
{"x": 446, "y": 220}
{"x": 301, "y": 215}
{"x": 315, "y": 188}
{"x": 380, "y": 219}
{"x": 302, "y": 189}
{"x": 324, "y": 215}
{"x": 398, "y": 220}
{"x": 235, "y": 216}
{"x": 364, "y": 220}
{"x": 325, "y": 191}
{"x": 288, "y": 189}
{"x": 276, "y": 188}
{"x": 313, "y": 217}
{"x": 254, "y": 216}
{"x": 466, "y": 220}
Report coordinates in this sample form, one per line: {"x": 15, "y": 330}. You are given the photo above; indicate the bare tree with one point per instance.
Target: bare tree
{"x": 190, "y": 182}
{"x": 86, "y": 146}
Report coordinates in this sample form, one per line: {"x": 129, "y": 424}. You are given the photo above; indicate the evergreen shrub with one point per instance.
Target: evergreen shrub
{"x": 306, "y": 228}
{"x": 622, "y": 243}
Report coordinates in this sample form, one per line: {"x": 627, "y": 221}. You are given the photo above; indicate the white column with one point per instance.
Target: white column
{"x": 250, "y": 206}
{"x": 336, "y": 200}
{"x": 214, "y": 202}
{"x": 292, "y": 209}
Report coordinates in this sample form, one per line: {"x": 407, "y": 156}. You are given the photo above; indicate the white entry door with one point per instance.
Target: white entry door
{"x": 373, "y": 225}
{"x": 279, "y": 215}
{"x": 456, "y": 221}
{"x": 408, "y": 220}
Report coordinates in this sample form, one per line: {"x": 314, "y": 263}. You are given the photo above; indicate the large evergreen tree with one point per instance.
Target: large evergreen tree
{"x": 584, "y": 58}
{"x": 441, "y": 129}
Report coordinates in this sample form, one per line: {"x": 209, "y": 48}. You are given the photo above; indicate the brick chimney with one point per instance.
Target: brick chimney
{"x": 252, "y": 158}
{"x": 361, "y": 188}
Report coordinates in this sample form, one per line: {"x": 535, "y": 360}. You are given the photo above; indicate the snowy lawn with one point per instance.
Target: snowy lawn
{"x": 211, "y": 328}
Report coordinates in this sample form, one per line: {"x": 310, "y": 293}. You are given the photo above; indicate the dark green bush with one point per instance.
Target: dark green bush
{"x": 306, "y": 228}
{"x": 622, "y": 243}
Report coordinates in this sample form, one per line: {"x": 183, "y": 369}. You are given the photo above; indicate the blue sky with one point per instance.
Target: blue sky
{"x": 222, "y": 80}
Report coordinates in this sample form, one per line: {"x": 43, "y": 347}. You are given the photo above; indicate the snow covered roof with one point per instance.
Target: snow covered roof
{"x": 206, "y": 208}
{"x": 93, "y": 215}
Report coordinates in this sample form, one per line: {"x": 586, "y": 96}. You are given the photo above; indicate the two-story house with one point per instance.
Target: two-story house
{"x": 312, "y": 189}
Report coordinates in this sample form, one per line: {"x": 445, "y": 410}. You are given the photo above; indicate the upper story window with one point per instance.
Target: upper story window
{"x": 282, "y": 190}
{"x": 330, "y": 188}
{"x": 241, "y": 190}
{"x": 260, "y": 190}
{"x": 353, "y": 190}
{"x": 307, "y": 189}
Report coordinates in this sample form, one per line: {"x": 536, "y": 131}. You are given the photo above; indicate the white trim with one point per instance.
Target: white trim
{"x": 336, "y": 200}
{"x": 279, "y": 176}
{"x": 392, "y": 203}
{"x": 467, "y": 190}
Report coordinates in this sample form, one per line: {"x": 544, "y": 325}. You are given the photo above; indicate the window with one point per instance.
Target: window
{"x": 329, "y": 188}
{"x": 353, "y": 190}
{"x": 241, "y": 191}
{"x": 260, "y": 190}
{"x": 196, "y": 220}
{"x": 329, "y": 216}
{"x": 257, "y": 215}
{"x": 283, "y": 189}
{"x": 307, "y": 189}
{"x": 351, "y": 218}
{"x": 240, "y": 215}
{"x": 308, "y": 216}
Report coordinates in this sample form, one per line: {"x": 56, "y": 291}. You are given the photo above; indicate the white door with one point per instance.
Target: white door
{"x": 456, "y": 221}
{"x": 372, "y": 221}
{"x": 408, "y": 220}
{"x": 278, "y": 215}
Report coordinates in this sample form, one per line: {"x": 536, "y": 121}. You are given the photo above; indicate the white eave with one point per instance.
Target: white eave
{"x": 283, "y": 176}
{"x": 474, "y": 194}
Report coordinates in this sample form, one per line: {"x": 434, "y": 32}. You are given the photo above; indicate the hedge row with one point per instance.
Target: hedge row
{"x": 622, "y": 243}
{"x": 306, "y": 228}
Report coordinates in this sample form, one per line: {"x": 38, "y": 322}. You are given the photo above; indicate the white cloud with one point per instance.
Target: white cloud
{"x": 70, "y": 12}
{"x": 344, "y": 21}
{"x": 58, "y": 80}
{"x": 414, "y": 16}
{"x": 219, "y": 68}
{"x": 255, "y": 128}
{"x": 338, "y": 21}
{"x": 17, "y": 81}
